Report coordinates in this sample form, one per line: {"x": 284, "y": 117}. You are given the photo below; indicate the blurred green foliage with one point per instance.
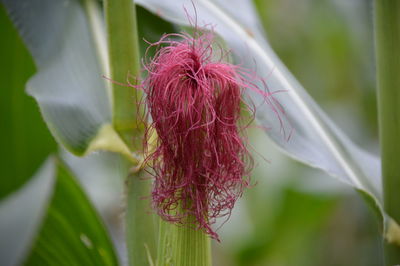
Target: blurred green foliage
{"x": 285, "y": 240}
{"x": 328, "y": 46}
{"x": 24, "y": 138}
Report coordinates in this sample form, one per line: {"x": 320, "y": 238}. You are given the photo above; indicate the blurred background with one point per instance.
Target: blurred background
{"x": 295, "y": 215}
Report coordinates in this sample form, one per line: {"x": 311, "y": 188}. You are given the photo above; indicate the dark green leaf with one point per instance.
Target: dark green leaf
{"x": 21, "y": 214}
{"x": 24, "y": 139}
{"x": 151, "y": 28}
{"x": 72, "y": 233}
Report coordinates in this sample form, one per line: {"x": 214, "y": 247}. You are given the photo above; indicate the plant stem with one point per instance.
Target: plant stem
{"x": 124, "y": 61}
{"x": 123, "y": 49}
{"x": 183, "y": 245}
{"x": 140, "y": 236}
{"x": 387, "y": 34}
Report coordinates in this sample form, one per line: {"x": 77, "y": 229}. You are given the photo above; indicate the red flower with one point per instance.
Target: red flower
{"x": 201, "y": 163}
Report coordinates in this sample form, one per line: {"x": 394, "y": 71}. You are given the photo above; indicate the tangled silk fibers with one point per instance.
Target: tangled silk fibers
{"x": 201, "y": 163}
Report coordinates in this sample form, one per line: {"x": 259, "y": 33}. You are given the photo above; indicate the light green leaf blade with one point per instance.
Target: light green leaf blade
{"x": 21, "y": 214}
{"x": 72, "y": 232}
{"x": 102, "y": 176}
{"x": 302, "y": 129}
{"x": 67, "y": 42}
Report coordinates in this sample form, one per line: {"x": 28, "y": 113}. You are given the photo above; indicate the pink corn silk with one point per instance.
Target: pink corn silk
{"x": 201, "y": 163}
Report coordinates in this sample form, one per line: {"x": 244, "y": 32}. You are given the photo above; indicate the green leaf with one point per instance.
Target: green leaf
{"x": 150, "y": 29}
{"x": 302, "y": 130}
{"x": 24, "y": 139}
{"x": 67, "y": 42}
{"x": 72, "y": 233}
{"x": 102, "y": 176}
{"x": 22, "y": 212}
{"x": 52, "y": 209}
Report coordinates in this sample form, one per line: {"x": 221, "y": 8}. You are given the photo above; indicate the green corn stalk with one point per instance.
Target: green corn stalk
{"x": 387, "y": 34}
{"x": 124, "y": 58}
